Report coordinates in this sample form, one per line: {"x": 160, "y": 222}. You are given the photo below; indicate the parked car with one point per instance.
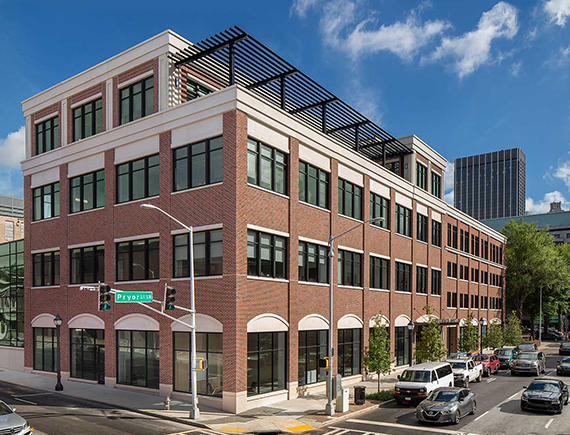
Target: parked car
{"x": 505, "y": 356}
{"x": 418, "y": 381}
{"x": 552, "y": 336}
{"x": 11, "y": 423}
{"x": 529, "y": 362}
{"x": 545, "y": 394}
{"x": 564, "y": 348}
{"x": 465, "y": 370}
{"x": 490, "y": 363}
{"x": 446, "y": 404}
{"x": 526, "y": 347}
{"x": 563, "y": 367}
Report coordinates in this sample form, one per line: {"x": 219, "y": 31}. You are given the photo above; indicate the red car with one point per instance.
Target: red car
{"x": 490, "y": 363}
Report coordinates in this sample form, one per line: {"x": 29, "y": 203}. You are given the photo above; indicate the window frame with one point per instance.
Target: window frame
{"x": 208, "y": 252}
{"x": 379, "y": 265}
{"x": 189, "y": 158}
{"x": 98, "y": 271}
{"x": 275, "y": 350}
{"x": 403, "y": 272}
{"x": 146, "y": 349}
{"x": 95, "y": 129}
{"x": 421, "y": 280}
{"x": 257, "y": 257}
{"x": 421, "y": 227}
{"x": 54, "y": 347}
{"x": 129, "y": 175}
{"x": 356, "y": 266}
{"x": 320, "y": 253}
{"x": 436, "y": 282}
{"x": 303, "y": 350}
{"x": 198, "y": 87}
{"x": 54, "y": 269}
{"x": 421, "y": 175}
{"x": 51, "y": 124}
{"x": 81, "y": 186}
{"x": 54, "y": 194}
{"x": 403, "y": 218}
{"x": 436, "y": 233}
{"x": 341, "y": 365}
{"x": 130, "y": 89}
{"x": 274, "y": 164}
{"x": 357, "y": 192}
{"x": 383, "y": 205}
{"x": 436, "y": 184}
{"x": 304, "y": 196}
{"x": 131, "y": 263}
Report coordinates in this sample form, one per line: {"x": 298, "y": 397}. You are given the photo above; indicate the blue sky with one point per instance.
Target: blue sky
{"x": 465, "y": 76}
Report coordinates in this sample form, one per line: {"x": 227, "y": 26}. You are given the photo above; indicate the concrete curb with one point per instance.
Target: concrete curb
{"x": 352, "y": 414}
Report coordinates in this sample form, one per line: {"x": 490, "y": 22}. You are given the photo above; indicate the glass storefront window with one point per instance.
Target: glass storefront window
{"x": 349, "y": 352}
{"x": 313, "y": 345}
{"x": 137, "y": 358}
{"x": 88, "y": 354}
{"x": 266, "y": 362}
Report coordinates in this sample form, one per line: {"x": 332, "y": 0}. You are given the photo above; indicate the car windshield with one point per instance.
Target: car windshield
{"x": 544, "y": 386}
{"x": 5, "y": 409}
{"x": 528, "y": 356}
{"x": 505, "y": 352}
{"x": 482, "y": 358}
{"x": 459, "y": 365}
{"x": 443, "y": 396}
{"x": 526, "y": 346}
{"x": 415, "y": 376}
{"x": 565, "y": 361}
{"x": 565, "y": 345}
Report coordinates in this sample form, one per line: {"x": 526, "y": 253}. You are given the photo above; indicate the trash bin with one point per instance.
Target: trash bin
{"x": 359, "y": 395}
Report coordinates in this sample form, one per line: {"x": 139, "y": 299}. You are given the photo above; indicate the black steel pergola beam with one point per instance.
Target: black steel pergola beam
{"x": 347, "y": 127}
{"x": 380, "y": 143}
{"x": 212, "y": 49}
{"x": 312, "y": 106}
{"x": 272, "y": 79}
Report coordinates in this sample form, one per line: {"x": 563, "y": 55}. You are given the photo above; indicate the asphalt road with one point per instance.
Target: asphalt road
{"x": 57, "y": 414}
{"x": 498, "y": 412}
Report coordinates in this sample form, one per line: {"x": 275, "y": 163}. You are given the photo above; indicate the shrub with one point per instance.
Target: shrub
{"x": 381, "y": 396}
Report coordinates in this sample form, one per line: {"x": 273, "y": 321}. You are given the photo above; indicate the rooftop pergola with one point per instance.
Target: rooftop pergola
{"x": 235, "y": 57}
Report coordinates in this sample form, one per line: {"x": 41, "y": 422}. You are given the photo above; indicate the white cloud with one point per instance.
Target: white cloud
{"x": 365, "y": 101}
{"x": 543, "y": 205}
{"x": 473, "y": 49}
{"x": 448, "y": 183}
{"x": 300, "y": 7}
{"x": 516, "y": 68}
{"x": 560, "y": 58}
{"x": 13, "y": 149}
{"x": 402, "y": 38}
{"x": 557, "y": 11}
{"x": 562, "y": 172}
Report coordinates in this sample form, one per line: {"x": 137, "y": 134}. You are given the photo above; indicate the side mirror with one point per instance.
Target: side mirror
{"x": 399, "y": 377}
{"x": 525, "y": 387}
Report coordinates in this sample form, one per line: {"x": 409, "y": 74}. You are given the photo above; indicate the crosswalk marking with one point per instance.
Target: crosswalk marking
{"x": 404, "y": 426}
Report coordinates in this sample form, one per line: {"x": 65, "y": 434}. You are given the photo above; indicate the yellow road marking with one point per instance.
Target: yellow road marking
{"x": 300, "y": 428}
{"x": 232, "y": 429}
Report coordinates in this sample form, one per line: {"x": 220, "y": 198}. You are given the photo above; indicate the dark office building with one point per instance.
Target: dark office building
{"x": 492, "y": 185}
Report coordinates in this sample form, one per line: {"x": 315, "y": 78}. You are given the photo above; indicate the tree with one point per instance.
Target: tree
{"x": 513, "y": 330}
{"x": 431, "y": 347}
{"x": 494, "y": 336}
{"x": 377, "y": 358}
{"x": 470, "y": 336}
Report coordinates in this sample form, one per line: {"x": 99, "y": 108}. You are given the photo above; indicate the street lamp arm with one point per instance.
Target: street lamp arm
{"x": 356, "y": 226}
{"x": 166, "y": 214}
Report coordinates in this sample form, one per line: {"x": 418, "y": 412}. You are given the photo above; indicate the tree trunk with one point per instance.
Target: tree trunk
{"x": 379, "y": 382}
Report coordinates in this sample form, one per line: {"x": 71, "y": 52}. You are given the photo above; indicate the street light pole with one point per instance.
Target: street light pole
{"x": 194, "y": 410}
{"x": 57, "y": 322}
{"x": 540, "y": 320}
{"x": 329, "y": 408}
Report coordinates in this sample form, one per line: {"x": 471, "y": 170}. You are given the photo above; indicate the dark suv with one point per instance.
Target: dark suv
{"x": 564, "y": 348}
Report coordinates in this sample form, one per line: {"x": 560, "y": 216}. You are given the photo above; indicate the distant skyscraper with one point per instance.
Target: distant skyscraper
{"x": 492, "y": 185}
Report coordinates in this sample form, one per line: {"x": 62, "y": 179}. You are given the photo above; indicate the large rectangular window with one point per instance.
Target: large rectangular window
{"x": 88, "y": 354}
{"x": 45, "y": 349}
{"x": 47, "y": 135}
{"x": 46, "y": 269}
{"x": 421, "y": 280}
{"x": 138, "y": 260}
{"x": 313, "y": 263}
{"x": 436, "y": 233}
{"x": 46, "y": 201}
{"x": 137, "y": 358}
{"x": 198, "y": 164}
{"x": 266, "y": 362}
{"x": 349, "y": 199}
{"x": 12, "y": 294}
{"x": 436, "y": 184}
{"x": 379, "y": 273}
{"x": 403, "y": 277}
{"x": 313, "y": 345}
{"x": 451, "y": 300}
{"x": 422, "y": 228}
{"x": 313, "y": 185}
{"x": 349, "y": 352}
{"x": 402, "y": 346}
{"x": 435, "y": 282}
{"x": 266, "y": 167}
{"x": 138, "y": 179}
{"x": 209, "y": 345}
{"x": 88, "y": 119}
{"x": 137, "y": 100}
{"x": 266, "y": 255}
{"x": 195, "y": 90}
{"x": 87, "y": 192}
{"x": 208, "y": 254}
{"x": 380, "y": 207}
{"x": 403, "y": 220}
{"x": 421, "y": 176}
{"x": 87, "y": 265}
{"x": 349, "y": 268}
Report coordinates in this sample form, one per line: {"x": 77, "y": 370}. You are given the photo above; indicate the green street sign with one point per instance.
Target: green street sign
{"x": 126, "y": 297}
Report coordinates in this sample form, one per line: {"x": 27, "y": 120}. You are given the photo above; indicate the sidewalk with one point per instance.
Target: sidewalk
{"x": 297, "y": 415}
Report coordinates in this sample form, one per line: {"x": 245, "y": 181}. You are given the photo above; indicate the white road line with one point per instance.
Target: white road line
{"x": 404, "y": 426}
{"x": 25, "y": 401}
{"x": 549, "y": 423}
{"x": 513, "y": 396}
{"x": 481, "y": 416}
{"x": 33, "y": 394}
{"x": 491, "y": 380}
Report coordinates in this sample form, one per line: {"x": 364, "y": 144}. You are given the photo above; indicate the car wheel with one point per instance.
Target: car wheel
{"x": 480, "y": 378}
{"x": 537, "y": 371}
{"x": 560, "y": 408}
{"x": 487, "y": 373}
{"x": 474, "y": 408}
{"x": 466, "y": 382}
{"x": 456, "y": 417}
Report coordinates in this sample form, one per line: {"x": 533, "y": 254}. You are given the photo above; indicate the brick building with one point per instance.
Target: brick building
{"x": 196, "y": 131}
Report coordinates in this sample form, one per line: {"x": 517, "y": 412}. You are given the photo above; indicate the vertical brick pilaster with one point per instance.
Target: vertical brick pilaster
{"x": 365, "y": 260}
{"x": 293, "y": 274}
{"x": 28, "y": 216}
{"x": 334, "y": 225}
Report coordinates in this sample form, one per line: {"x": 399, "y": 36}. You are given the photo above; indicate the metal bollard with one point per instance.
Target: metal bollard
{"x": 167, "y": 403}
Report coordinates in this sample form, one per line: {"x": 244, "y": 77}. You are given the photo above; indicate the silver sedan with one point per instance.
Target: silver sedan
{"x": 446, "y": 405}
{"x": 11, "y": 423}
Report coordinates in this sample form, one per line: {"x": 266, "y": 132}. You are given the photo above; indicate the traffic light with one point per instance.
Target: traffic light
{"x": 325, "y": 363}
{"x": 104, "y": 297}
{"x": 169, "y": 298}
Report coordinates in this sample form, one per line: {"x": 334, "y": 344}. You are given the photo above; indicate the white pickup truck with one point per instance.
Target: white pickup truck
{"x": 465, "y": 370}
